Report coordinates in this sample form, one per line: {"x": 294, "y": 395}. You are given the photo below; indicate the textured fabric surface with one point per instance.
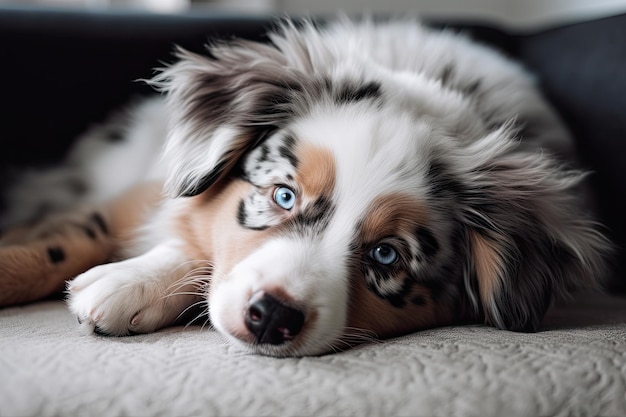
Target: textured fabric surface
{"x": 575, "y": 366}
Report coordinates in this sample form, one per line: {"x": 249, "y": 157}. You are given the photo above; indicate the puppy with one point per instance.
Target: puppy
{"x": 337, "y": 184}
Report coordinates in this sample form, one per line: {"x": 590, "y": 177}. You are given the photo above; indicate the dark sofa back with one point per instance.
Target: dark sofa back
{"x": 62, "y": 70}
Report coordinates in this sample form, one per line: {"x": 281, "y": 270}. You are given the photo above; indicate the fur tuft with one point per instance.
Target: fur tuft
{"x": 221, "y": 108}
{"x": 529, "y": 238}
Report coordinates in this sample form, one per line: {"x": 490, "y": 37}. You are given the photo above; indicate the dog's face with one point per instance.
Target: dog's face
{"x": 340, "y": 207}
{"x": 330, "y": 221}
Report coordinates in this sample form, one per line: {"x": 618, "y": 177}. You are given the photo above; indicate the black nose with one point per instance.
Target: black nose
{"x": 270, "y": 321}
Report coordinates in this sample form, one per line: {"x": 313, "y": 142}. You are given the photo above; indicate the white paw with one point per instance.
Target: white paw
{"x": 120, "y": 299}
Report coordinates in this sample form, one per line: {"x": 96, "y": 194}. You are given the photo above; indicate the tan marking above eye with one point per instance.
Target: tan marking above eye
{"x": 392, "y": 215}
{"x": 316, "y": 170}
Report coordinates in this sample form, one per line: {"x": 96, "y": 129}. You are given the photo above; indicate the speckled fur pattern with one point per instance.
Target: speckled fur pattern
{"x": 338, "y": 184}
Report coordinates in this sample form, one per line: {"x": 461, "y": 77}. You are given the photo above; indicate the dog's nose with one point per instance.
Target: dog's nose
{"x": 270, "y": 321}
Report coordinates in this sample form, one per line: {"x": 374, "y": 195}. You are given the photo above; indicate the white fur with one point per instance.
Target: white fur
{"x": 378, "y": 148}
{"x": 137, "y": 295}
{"x": 312, "y": 272}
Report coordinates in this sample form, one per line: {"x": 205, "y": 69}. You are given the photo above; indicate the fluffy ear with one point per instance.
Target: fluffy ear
{"x": 527, "y": 235}
{"x": 221, "y": 106}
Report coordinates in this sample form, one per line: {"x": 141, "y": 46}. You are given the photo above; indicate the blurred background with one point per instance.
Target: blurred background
{"x": 516, "y": 13}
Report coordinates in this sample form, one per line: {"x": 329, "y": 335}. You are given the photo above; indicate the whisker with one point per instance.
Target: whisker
{"x": 196, "y": 280}
{"x": 209, "y": 265}
{"x": 188, "y": 279}
{"x": 360, "y": 332}
{"x": 333, "y": 348}
{"x": 207, "y": 321}
{"x": 197, "y": 277}
{"x": 198, "y": 317}
{"x": 189, "y": 307}
{"x": 196, "y": 293}
{"x": 353, "y": 336}
{"x": 205, "y": 269}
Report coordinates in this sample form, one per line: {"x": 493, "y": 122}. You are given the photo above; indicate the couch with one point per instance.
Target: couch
{"x": 64, "y": 69}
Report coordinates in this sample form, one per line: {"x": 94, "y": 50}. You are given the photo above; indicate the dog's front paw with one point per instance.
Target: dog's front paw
{"x": 118, "y": 299}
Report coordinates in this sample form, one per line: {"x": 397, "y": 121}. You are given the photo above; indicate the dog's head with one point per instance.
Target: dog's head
{"x": 338, "y": 202}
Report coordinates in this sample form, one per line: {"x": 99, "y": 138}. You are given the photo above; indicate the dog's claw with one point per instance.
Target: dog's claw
{"x": 97, "y": 330}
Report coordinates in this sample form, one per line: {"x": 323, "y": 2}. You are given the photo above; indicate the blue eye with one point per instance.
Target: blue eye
{"x": 285, "y": 198}
{"x": 384, "y": 254}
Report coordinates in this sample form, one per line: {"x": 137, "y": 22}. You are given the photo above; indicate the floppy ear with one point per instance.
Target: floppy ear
{"x": 221, "y": 106}
{"x": 527, "y": 236}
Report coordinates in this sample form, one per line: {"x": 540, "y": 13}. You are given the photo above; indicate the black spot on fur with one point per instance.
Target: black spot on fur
{"x": 239, "y": 172}
{"x": 114, "y": 136}
{"x": 418, "y": 300}
{"x": 472, "y": 88}
{"x": 443, "y": 182}
{"x": 446, "y": 74}
{"x": 315, "y": 217}
{"x": 396, "y": 300}
{"x": 56, "y": 255}
{"x": 381, "y": 274}
{"x": 399, "y": 299}
{"x": 99, "y": 221}
{"x": 445, "y": 185}
{"x": 241, "y": 213}
{"x": 276, "y": 103}
{"x": 438, "y": 286}
{"x": 286, "y": 150}
{"x": 89, "y": 232}
{"x": 428, "y": 242}
{"x": 242, "y": 218}
{"x": 265, "y": 151}
{"x": 77, "y": 186}
{"x": 352, "y": 93}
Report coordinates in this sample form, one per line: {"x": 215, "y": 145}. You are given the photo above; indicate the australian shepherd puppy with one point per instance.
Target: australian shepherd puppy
{"x": 360, "y": 179}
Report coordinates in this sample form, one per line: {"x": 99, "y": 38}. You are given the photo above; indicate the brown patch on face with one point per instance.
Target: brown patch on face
{"x": 369, "y": 312}
{"x": 209, "y": 226}
{"x": 390, "y": 215}
{"x": 316, "y": 170}
{"x": 487, "y": 263}
{"x": 208, "y": 222}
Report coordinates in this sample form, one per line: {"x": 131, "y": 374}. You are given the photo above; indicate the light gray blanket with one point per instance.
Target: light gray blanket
{"x": 575, "y": 366}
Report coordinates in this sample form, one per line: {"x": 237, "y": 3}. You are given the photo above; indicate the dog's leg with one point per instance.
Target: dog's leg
{"x": 32, "y": 268}
{"x": 137, "y": 295}
{"x": 37, "y": 260}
